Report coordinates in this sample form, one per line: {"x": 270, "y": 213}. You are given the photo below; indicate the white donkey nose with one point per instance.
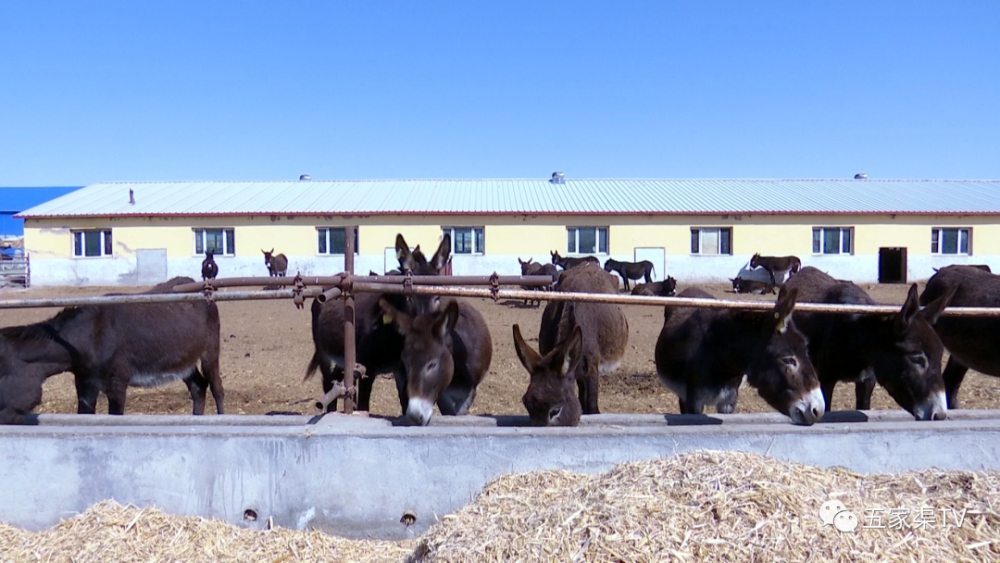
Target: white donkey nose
{"x": 419, "y": 411}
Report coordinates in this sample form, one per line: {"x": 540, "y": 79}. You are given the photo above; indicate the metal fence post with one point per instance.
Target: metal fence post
{"x": 350, "y": 357}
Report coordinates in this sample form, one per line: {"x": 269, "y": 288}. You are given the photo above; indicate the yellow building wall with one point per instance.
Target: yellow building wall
{"x": 520, "y": 235}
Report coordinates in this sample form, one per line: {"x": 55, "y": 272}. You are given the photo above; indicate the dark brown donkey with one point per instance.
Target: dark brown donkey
{"x": 379, "y": 344}
{"x": 630, "y": 270}
{"x": 777, "y": 266}
{"x": 111, "y": 347}
{"x": 973, "y": 342}
{"x": 901, "y": 351}
{"x": 446, "y": 355}
{"x": 665, "y": 288}
{"x": 277, "y": 264}
{"x": 603, "y": 334}
{"x": 741, "y": 285}
{"x": 702, "y": 355}
{"x": 566, "y": 262}
{"x": 209, "y": 269}
{"x": 532, "y": 268}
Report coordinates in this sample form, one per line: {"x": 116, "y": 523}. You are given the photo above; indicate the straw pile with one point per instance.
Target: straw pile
{"x": 109, "y": 531}
{"x": 715, "y": 506}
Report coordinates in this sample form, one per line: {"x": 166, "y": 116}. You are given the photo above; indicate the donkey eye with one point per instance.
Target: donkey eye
{"x": 790, "y": 361}
{"x": 432, "y": 365}
{"x": 919, "y": 360}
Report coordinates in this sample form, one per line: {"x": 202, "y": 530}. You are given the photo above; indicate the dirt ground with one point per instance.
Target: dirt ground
{"x": 266, "y": 346}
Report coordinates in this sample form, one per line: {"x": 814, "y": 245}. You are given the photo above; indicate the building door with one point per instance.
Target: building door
{"x": 656, "y": 255}
{"x": 892, "y": 265}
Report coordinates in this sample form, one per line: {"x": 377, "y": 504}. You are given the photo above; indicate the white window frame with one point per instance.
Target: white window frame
{"x": 964, "y": 235}
{"x": 476, "y": 251}
{"x": 719, "y": 252}
{"x": 329, "y": 245}
{"x": 840, "y": 243}
{"x": 106, "y": 240}
{"x": 199, "y": 233}
{"x": 601, "y": 234}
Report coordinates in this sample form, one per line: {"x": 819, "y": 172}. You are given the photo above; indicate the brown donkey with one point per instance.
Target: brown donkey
{"x": 777, "y": 266}
{"x": 603, "y": 335}
{"x": 703, "y": 355}
{"x": 973, "y": 342}
{"x": 446, "y": 355}
{"x": 567, "y": 262}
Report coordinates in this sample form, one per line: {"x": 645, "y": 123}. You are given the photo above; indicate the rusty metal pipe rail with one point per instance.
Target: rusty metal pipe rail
{"x": 152, "y": 298}
{"x": 621, "y": 299}
{"x": 339, "y": 279}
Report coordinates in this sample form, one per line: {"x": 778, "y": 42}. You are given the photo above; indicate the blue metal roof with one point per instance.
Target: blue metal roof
{"x": 16, "y": 200}
{"x": 529, "y": 196}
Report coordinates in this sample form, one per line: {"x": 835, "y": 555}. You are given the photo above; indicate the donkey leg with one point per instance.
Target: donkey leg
{"x": 87, "y": 391}
{"x": 210, "y": 370}
{"x": 863, "y": 389}
{"x": 332, "y": 373}
{"x": 365, "y": 392}
{"x": 197, "y": 385}
{"x": 116, "y": 392}
{"x": 588, "y": 385}
{"x": 693, "y": 402}
{"x": 827, "y": 388}
{"x": 404, "y": 395}
{"x": 954, "y": 373}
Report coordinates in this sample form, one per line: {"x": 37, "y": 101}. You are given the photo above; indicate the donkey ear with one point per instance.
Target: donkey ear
{"x": 441, "y": 256}
{"x": 403, "y": 254}
{"x": 569, "y": 356}
{"x": 529, "y": 358}
{"x": 783, "y": 307}
{"x": 936, "y": 307}
{"x": 392, "y": 314}
{"x": 909, "y": 310}
{"x": 446, "y": 320}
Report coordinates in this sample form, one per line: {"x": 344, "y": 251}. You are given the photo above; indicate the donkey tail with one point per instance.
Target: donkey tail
{"x": 313, "y": 366}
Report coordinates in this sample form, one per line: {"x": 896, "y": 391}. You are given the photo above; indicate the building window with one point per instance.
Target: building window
{"x": 466, "y": 240}
{"x": 587, "y": 240}
{"x": 950, "y": 241}
{"x": 833, "y": 240}
{"x": 334, "y": 240}
{"x": 709, "y": 241}
{"x": 222, "y": 242}
{"x": 92, "y": 243}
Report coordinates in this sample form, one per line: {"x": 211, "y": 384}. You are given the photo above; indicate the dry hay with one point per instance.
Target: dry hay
{"x": 717, "y": 506}
{"x": 109, "y": 531}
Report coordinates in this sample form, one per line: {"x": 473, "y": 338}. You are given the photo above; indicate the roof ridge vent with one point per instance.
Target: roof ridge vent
{"x": 305, "y": 178}
{"x": 558, "y": 178}
{"x": 861, "y": 176}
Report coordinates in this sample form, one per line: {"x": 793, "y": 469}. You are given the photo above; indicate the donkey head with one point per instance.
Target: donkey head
{"x": 267, "y": 257}
{"x": 780, "y": 367}
{"x": 427, "y": 357}
{"x": 551, "y": 398}
{"x": 669, "y": 287}
{"x": 907, "y": 357}
{"x": 754, "y": 260}
{"x": 418, "y": 265}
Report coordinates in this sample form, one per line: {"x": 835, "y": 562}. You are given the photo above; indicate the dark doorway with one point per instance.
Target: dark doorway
{"x": 892, "y": 265}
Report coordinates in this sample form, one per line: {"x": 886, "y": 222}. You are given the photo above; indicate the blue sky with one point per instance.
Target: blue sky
{"x": 116, "y": 91}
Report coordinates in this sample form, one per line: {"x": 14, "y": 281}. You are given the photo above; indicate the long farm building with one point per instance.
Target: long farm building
{"x": 699, "y": 230}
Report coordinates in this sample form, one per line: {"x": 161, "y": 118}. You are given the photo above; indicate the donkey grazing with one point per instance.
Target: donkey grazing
{"x": 111, "y": 347}
{"x": 777, "y": 266}
{"x": 741, "y": 285}
{"x": 446, "y": 355}
{"x": 566, "y": 262}
{"x": 209, "y": 269}
{"x": 277, "y": 264}
{"x": 901, "y": 351}
{"x": 602, "y": 332}
{"x": 665, "y": 288}
{"x": 630, "y": 270}
{"x": 703, "y": 355}
{"x": 379, "y": 345}
{"x": 974, "y": 342}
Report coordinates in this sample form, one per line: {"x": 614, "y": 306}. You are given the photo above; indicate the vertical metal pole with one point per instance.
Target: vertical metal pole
{"x": 350, "y": 359}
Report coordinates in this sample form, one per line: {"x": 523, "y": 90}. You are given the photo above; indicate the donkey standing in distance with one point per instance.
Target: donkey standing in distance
{"x": 630, "y": 270}
{"x": 973, "y": 342}
{"x": 577, "y": 342}
{"x": 277, "y": 264}
{"x": 209, "y": 269}
{"x": 532, "y": 268}
{"x": 777, "y": 266}
{"x": 567, "y": 262}
{"x": 901, "y": 351}
{"x": 379, "y": 344}
{"x": 703, "y": 355}
{"x": 109, "y": 348}
{"x": 446, "y": 355}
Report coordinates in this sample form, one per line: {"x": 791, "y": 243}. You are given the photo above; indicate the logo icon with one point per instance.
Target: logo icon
{"x": 833, "y": 512}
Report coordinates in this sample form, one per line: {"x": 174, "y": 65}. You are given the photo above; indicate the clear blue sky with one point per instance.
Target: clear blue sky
{"x": 101, "y": 91}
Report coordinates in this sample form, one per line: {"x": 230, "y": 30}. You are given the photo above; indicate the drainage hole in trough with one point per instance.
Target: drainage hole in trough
{"x": 409, "y": 518}
{"x": 250, "y": 515}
